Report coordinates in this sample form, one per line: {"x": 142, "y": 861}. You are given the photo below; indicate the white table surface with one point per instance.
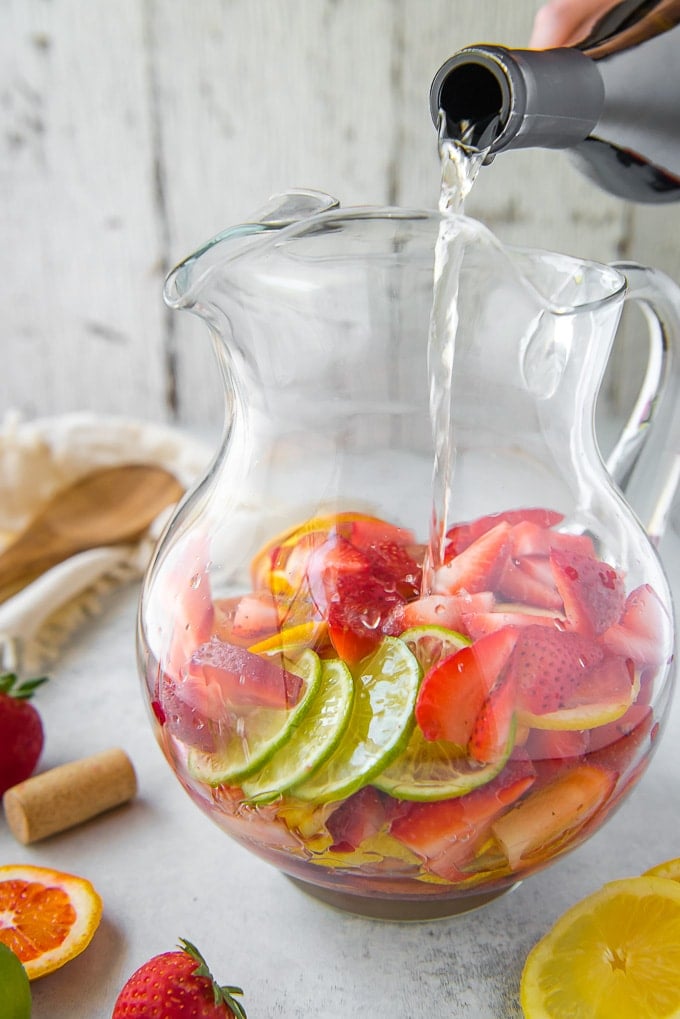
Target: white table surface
{"x": 164, "y": 871}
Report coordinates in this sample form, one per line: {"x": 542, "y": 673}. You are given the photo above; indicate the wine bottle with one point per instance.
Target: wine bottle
{"x": 612, "y": 101}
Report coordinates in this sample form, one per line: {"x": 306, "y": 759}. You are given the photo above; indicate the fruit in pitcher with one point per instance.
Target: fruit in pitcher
{"x": 460, "y": 729}
{"x": 386, "y": 684}
{"x": 547, "y": 664}
{"x": 453, "y": 692}
{"x": 250, "y": 732}
{"x": 461, "y": 535}
{"x": 492, "y": 733}
{"x": 21, "y": 730}
{"x": 532, "y": 830}
{"x": 177, "y": 985}
{"x": 478, "y": 566}
{"x": 314, "y": 739}
{"x": 592, "y": 591}
{"x": 448, "y": 832}
{"x": 643, "y": 631}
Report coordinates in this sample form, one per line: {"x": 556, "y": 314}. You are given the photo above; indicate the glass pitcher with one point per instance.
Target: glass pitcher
{"x": 406, "y": 640}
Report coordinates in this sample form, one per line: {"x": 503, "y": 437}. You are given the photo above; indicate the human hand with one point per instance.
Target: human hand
{"x": 565, "y": 22}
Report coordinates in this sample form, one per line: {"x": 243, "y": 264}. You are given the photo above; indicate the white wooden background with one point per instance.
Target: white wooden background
{"x": 133, "y": 131}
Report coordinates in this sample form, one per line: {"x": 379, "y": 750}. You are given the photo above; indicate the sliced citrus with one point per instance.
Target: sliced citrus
{"x": 386, "y": 684}
{"x": 614, "y": 955}
{"x": 435, "y": 770}
{"x": 605, "y": 694}
{"x": 668, "y": 869}
{"x": 432, "y": 643}
{"x": 313, "y": 740}
{"x": 46, "y": 917}
{"x": 292, "y": 638}
{"x": 258, "y": 732}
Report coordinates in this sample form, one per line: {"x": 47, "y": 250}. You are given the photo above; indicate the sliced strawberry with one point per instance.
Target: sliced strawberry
{"x": 447, "y": 610}
{"x": 476, "y": 568}
{"x": 478, "y": 624}
{"x": 365, "y": 532}
{"x": 530, "y": 539}
{"x": 394, "y": 565}
{"x": 592, "y": 591}
{"x": 220, "y": 674}
{"x": 494, "y": 726}
{"x": 335, "y": 559}
{"x": 547, "y": 664}
{"x": 446, "y": 833}
{"x": 643, "y": 632}
{"x": 453, "y": 692}
{"x": 462, "y": 535}
{"x": 360, "y": 609}
{"x": 364, "y": 814}
{"x": 523, "y": 580}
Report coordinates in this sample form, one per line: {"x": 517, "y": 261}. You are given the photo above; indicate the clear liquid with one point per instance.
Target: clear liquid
{"x": 460, "y": 164}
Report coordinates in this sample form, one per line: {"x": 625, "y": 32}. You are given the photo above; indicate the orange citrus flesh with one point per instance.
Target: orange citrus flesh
{"x": 46, "y": 917}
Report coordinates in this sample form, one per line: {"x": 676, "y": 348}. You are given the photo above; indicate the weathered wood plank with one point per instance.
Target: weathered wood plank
{"x": 79, "y": 318}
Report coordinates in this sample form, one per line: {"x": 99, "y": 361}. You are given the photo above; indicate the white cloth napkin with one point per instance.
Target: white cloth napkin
{"x": 39, "y": 457}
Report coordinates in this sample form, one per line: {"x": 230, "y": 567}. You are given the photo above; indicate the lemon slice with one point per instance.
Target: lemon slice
{"x": 432, "y": 643}
{"x": 258, "y": 732}
{"x": 386, "y": 685}
{"x": 312, "y": 741}
{"x": 435, "y": 770}
{"x": 48, "y": 917}
{"x": 291, "y": 639}
{"x": 668, "y": 869}
{"x": 614, "y": 955}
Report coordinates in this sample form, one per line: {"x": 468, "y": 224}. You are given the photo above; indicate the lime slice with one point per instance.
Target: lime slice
{"x": 312, "y": 741}
{"x": 15, "y": 993}
{"x": 258, "y": 732}
{"x": 386, "y": 685}
{"x": 435, "y": 770}
{"x": 432, "y": 643}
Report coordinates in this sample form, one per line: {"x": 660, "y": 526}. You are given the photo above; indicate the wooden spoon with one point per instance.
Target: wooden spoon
{"x": 106, "y": 507}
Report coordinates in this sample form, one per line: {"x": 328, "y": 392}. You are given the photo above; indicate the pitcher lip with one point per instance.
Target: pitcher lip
{"x": 252, "y": 234}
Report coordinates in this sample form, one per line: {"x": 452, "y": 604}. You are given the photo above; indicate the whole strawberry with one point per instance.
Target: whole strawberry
{"x": 175, "y": 985}
{"x": 21, "y": 730}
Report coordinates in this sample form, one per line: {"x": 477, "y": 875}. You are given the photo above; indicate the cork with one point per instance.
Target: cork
{"x": 68, "y": 795}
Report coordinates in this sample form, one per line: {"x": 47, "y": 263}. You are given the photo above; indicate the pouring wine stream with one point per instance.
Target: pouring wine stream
{"x": 461, "y": 160}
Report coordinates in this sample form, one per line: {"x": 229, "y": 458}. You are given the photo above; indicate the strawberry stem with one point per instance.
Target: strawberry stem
{"x": 10, "y": 685}
{"x": 222, "y": 995}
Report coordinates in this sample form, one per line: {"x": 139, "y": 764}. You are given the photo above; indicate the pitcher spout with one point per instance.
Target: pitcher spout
{"x": 185, "y": 281}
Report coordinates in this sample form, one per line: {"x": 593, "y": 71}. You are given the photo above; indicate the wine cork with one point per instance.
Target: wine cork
{"x": 65, "y": 796}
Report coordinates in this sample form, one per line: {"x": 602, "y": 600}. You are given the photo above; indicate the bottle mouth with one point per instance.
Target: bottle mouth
{"x": 471, "y": 92}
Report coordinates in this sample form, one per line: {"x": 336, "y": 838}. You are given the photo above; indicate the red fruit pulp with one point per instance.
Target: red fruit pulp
{"x": 453, "y": 692}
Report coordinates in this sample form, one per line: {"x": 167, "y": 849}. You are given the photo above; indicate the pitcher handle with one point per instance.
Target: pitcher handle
{"x": 645, "y": 462}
